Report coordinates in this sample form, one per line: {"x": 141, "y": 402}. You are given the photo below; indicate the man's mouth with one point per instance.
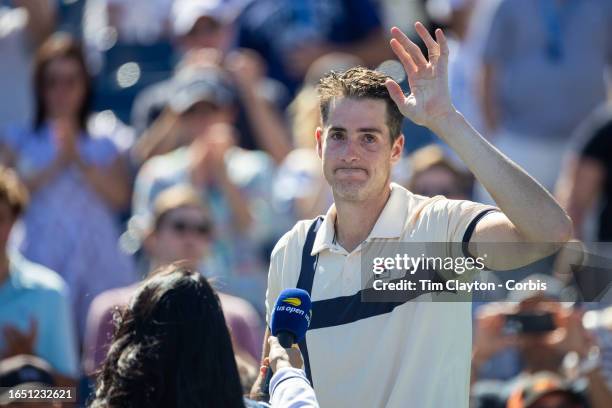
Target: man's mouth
{"x": 350, "y": 170}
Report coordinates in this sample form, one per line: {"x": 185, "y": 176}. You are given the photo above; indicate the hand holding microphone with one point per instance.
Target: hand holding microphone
{"x": 289, "y": 321}
{"x": 281, "y": 357}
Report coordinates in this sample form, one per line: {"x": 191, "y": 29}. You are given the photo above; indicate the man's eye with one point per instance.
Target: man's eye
{"x": 336, "y": 135}
{"x": 369, "y": 138}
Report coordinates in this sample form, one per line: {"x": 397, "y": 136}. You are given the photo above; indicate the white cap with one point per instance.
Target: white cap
{"x": 185, "y": 13}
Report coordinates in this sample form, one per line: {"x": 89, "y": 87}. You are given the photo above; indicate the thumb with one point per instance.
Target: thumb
{"x": 273, "y": 342}
{"x": 395, "y": 91}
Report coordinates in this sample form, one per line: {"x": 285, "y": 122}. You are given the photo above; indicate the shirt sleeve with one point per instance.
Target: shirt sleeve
{"x": 599, "y": 147}
{"x": 289, "y": 388}
{"x": 456, "y": 221}
{"x": 274, "y": 282}
{"x": 101, "y": 152}
{"x": 57, "y": 335}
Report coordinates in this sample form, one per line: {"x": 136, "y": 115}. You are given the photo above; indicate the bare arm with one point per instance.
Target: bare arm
{"x": 529, "y": 213}
{"x": 255, "y": 390}
{"x": 41, "y": 18}
{"x": 160, "y": 138}
{"x": 237, "y": 202}
{"x": 111, "y": 182}
{"x": 247, "y": 69}
{"x": 598, "y": 390}
{"x": 270, "y": 132}
{"x": 39, "y": 179}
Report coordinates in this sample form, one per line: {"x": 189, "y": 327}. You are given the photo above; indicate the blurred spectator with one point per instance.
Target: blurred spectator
{"x": 464, "y": 62}
{"x": 291, "y": 34}
{"x": 545, "y": 390}
{"x": 203, "y": 32}
{"x": 234, "y": 183}
{"x": 26, "y": 373}
{"x": 77, "y": 181}
{"x": 133, "y": 21}
{"x": 587, "y": 176}
{"x": 599, "y": 322}
{"x": 541, "y": 58}
{"x": 173, "y": 349}
{"x": 181, "y": 230}
{"x": 24, "y": 24}
{"x": 544, "y": 346}
{"x": 35, "y": 315}
{"x": 434, "y": 174}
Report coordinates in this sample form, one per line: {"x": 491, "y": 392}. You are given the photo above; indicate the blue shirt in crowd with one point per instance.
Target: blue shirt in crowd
{"x": 32, "y": 291}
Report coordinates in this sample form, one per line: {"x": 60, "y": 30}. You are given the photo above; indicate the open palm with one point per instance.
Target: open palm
{"x": 429, "y": 99}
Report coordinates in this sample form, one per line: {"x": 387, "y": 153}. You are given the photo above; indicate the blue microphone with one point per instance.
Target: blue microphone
{"x": 291, "y": 316}
{"x": 289, "y": 321}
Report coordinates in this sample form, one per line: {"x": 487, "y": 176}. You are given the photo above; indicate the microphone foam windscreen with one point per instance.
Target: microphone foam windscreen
{"x": 291, "y": 313}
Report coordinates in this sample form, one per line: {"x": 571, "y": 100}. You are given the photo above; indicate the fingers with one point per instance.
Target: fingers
{"x": 442, "y": 43}
{"x": 433, "y": 49}
{"x": 411, "y": 48}
{"x": 395, "y": 91}
{"x": 404, "y": 57}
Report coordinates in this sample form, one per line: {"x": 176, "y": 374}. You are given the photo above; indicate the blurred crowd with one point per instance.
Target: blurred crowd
{"x": 137, "y": 133}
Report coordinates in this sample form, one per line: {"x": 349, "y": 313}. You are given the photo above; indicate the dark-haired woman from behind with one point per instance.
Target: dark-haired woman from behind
{"x": 172, "y": 348}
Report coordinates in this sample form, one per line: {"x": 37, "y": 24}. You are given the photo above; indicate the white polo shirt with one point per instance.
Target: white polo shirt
{"x": 416, "y": 355}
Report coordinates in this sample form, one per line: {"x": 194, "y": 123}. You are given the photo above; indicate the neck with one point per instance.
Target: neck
{"x": 355, "y": 219}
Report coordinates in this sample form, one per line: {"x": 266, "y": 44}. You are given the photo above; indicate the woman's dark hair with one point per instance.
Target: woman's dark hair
{"x": 59, "y": 45}
{"x": 172, "y": 348}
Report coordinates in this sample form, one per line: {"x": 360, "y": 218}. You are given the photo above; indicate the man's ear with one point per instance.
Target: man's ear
{"x": 319, "y": 138}
{"x": 397, "y": 149}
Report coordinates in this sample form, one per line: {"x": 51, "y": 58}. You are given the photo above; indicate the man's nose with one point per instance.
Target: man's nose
{"x": 350, "y": 151}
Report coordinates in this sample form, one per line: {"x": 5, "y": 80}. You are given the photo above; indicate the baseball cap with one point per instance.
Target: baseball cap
{"x": 185, "y": 13}
{"x": 205, "y": 85}
{"x": 24, "y": 372}
{"x": 538, "y": 386}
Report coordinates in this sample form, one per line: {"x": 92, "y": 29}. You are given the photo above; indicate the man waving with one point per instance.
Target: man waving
{"x": 413, "y": 353}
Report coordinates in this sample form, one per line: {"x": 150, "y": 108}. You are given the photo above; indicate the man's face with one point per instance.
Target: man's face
{"x": 183, "y": 235}
{"x": 356, "y": 148}
{"x": 200, "y": 117}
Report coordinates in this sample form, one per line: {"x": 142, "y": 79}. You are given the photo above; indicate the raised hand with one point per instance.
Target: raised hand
{"x": 429, "y": 99}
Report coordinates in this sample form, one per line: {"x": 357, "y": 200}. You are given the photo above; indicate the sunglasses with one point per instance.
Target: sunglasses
{"x": 182, "y": 227}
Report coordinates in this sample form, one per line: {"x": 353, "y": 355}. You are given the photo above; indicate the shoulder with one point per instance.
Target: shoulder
{"x": 36, "y": 277}
{"x": 293, "y": 240}
{"x": 237, "y": 308}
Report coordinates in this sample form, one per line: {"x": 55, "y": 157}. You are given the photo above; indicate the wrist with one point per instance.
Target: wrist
{"x": 279, "y": 364}
{"x": 444, "y": 124}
